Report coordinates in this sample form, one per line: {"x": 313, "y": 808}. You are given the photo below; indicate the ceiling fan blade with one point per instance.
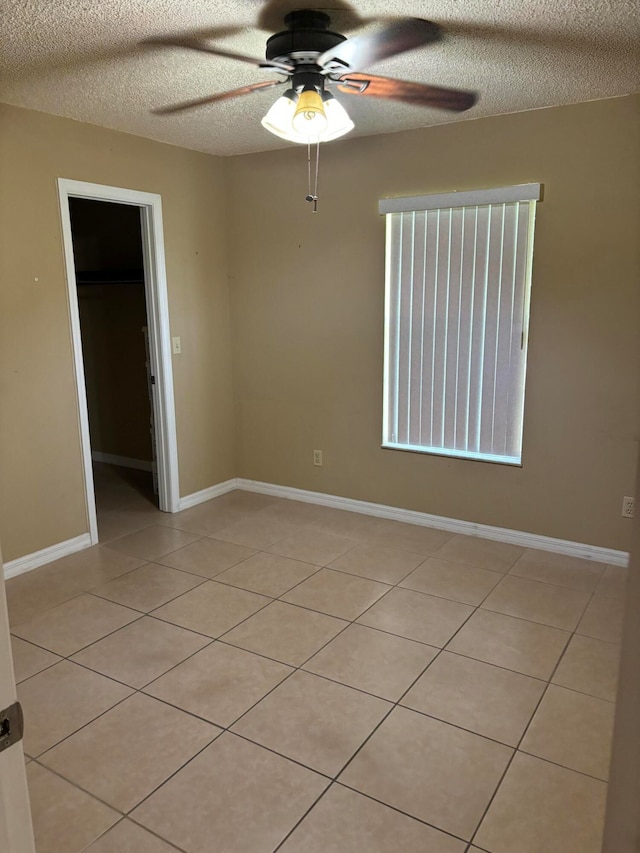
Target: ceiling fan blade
{"x": 212, "y": 99}
{"x": 362, "y": 51}
{"x": 196, "y": 44}
{"x": 411, "y": 93}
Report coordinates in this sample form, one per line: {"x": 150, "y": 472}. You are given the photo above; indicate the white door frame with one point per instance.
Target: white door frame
{"x": 16, "y": 831}
{"x": 155, "y": 283}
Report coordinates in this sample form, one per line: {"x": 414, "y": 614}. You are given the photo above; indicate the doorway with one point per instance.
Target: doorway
{"x": 109, "y": 268}
{"x": 120, "y": 328}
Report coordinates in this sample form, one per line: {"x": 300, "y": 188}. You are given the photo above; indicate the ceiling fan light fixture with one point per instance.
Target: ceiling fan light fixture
{"x": 279, "y": 119}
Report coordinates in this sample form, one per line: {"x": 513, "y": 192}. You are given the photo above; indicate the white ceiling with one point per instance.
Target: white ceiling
{"x": 82, "y": 59}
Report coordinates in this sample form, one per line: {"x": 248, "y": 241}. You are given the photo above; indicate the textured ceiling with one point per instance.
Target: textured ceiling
{"x": 82, "y": 59}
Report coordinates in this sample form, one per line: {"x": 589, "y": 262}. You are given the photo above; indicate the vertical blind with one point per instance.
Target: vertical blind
{"x": 457, "y": 305}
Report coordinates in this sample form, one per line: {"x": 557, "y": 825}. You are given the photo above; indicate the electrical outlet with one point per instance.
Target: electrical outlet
{"x": 628, "y": 507}
{"x": 317, "y": 458}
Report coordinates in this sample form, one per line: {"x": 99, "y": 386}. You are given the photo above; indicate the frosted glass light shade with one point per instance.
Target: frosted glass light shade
{"x": 278, "y": 119}
{"x": 338, "y": 121}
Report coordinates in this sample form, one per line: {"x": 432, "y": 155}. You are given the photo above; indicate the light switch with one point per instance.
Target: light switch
{"x": 176, "y": 346}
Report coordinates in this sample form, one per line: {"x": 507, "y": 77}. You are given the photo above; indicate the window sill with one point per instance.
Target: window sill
{"x": 511, "y": 461}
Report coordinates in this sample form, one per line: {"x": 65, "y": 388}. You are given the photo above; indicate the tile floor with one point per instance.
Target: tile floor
{"x": 255, "y": 674}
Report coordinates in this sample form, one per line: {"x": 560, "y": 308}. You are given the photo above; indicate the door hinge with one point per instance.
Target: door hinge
{"x": 153, "y": 380}
{"x": 11, "y": 726}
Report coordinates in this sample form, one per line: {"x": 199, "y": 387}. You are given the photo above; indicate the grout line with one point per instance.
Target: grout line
{"x": 83, "y": 726}
{"x": 221, "y": 571}
{"x": 302, "y": 818}
{"x": 125, "y": 819}
{"x": 80, "y": 788}
{"x": 157, "y": 606}
{"x": 155, "y": 834}
{"x": 563, "y": 766}
{"x": 518, "y": 745}
{"x": 402, "y": 812}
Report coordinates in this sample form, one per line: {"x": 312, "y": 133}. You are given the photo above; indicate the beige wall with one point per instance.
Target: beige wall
{"x": 41, "y": 486}
{"x": 308, "y": 318}
{"x": 622, "y": 826}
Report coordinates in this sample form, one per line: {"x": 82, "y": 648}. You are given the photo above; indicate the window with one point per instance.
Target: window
{"x": 458, "y": 276}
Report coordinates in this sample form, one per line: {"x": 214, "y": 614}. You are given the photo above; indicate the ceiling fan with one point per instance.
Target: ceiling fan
{"x": 312, "y": 59}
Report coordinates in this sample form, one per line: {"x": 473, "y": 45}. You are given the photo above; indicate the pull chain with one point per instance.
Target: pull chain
{"x": 313, "y": 196}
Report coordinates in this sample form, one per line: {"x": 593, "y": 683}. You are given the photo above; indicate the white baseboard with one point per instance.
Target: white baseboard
{"x": 47, "y": 555}
{"x": 423, "y": 519}
{"x": 122, "y": 461}
{"x": 453, "y": 525}
{"x": 207, "y": 494}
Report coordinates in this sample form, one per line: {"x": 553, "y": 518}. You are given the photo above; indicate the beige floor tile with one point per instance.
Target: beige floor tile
{"x": 483, "y": 553}
{"x": 128, "y": 837}
{"x": 141, "y": 652}
{"x": 347, "y": 822}
{"x": 257, "y": 531}
{"x": 482, "y": 698}
{"x": 313, "y": 546}
{"x": 204, "y": 519}
{"x": 43, "y": 588}
{"x": 590, "y": 666}
{"x": 613, "y": 582}
{"x": 35, "y": 592}
{"x": 307, "y": 514}
{"x": 267, "y": 574}
{"x": 94, "y": 565}
{"x": 60, "y": 700}
{"x": 542, "y": 807}
{"x": 559, "y": 569}
{"x": 352, "y": 525}
{"x": 286, "y": 633}
{"x": 417, "y": 616}
{"x": 435, "y": 772}
{"x": 408, "y": 537}
{"x": 149, "y": 738}
{"x": 152, "y": 542}
{"x": 246, "y": 501}
{"x": 114, "y": 523}
{"x": 467, "y": 584}
{"x": 603, "y": 619}
{"x": 74, "y": 624}
{"x": 574, "y": 730}
{"x": 211, "y": 608}
{"x": 148, "y": 587}
{"x": 219, "y": 683}
{"x": 336, "y": 593}
{"x": 125, "y": 496}
{"x": 512, "y": 643}
{"x": 29, "y": 659}
{"x": 314, "y": 721}
{"x": 248, "y": 812}
{"x": 372, "y": 661}
{"x": 206, "y": 557}
{"x": 388, "y": 565}
{"x": 539, "y": 602}
{"x": 65, "y": 819}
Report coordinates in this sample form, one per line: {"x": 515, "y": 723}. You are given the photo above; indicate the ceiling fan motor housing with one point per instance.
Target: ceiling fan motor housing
{"x": 307, "y": 37}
